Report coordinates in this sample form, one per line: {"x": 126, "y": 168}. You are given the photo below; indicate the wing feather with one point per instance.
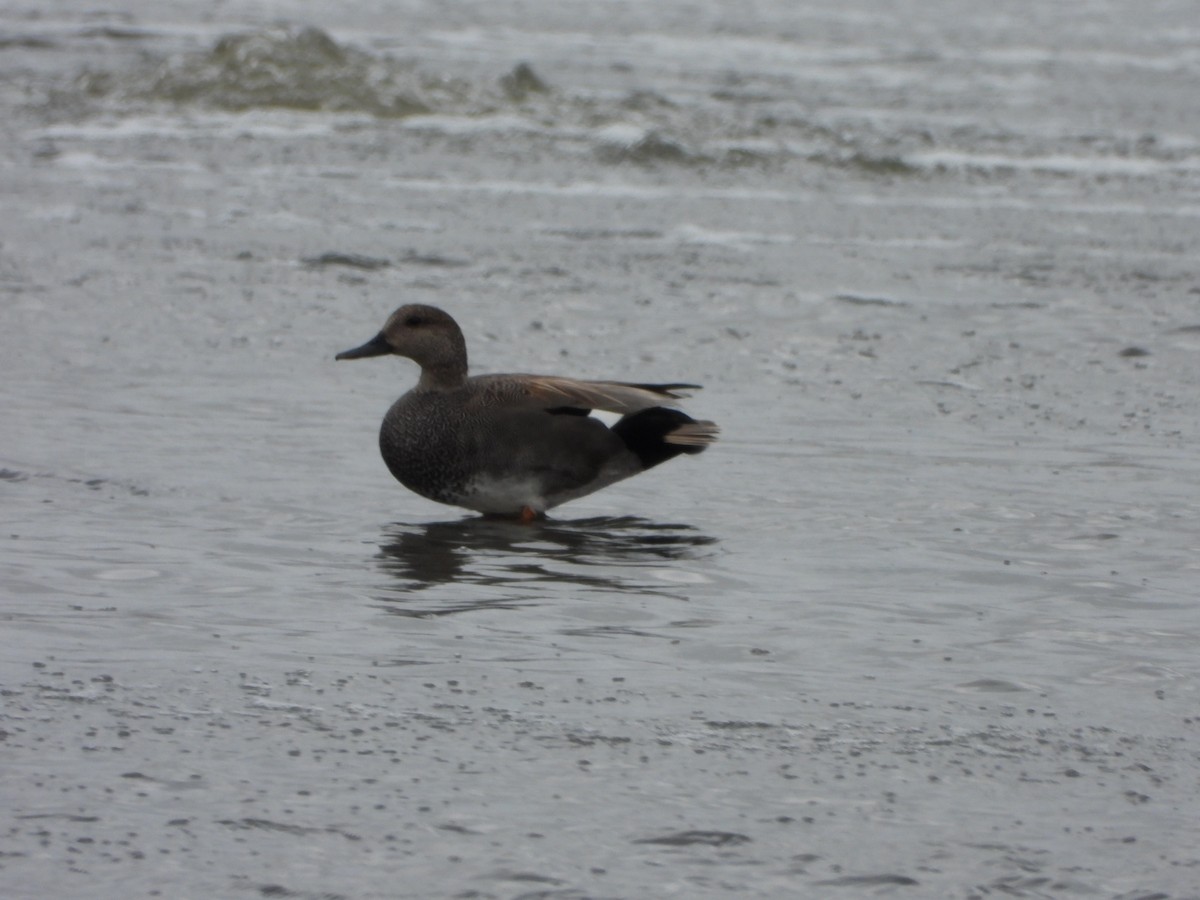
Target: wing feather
{"x": 555, "y": 392}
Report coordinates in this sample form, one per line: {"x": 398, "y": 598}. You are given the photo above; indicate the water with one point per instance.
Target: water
{"x": 922, "y": 623}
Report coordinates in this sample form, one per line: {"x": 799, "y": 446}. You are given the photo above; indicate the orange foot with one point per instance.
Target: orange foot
{"x": 526, "y": 515}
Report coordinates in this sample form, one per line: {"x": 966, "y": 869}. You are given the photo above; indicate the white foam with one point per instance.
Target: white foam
{"x": 695, "y": 234}
{"x": 1056, "y": 163}
{"x": 495, "y": 124}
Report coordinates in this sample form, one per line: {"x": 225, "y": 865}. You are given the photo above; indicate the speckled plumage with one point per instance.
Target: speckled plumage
{"x": 515, "y": 444}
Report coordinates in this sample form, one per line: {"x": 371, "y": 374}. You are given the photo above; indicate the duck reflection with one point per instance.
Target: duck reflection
{"x": 498, "y": 564}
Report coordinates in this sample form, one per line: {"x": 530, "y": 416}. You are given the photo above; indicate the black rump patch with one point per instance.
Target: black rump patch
{"x": 643, "y": 433}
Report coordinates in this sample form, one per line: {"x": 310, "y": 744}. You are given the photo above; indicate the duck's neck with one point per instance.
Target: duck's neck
{"x": 443, "y": 377}
{"x": 444, "y": 365}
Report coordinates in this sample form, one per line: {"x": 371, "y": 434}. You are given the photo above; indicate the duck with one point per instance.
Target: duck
{"x": 517, "y": 445}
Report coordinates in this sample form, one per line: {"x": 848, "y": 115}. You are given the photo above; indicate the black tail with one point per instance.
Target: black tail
{"x": 647, "y": 433}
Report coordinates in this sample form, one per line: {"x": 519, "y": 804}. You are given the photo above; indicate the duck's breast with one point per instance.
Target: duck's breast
{"x": 426, "y": 444}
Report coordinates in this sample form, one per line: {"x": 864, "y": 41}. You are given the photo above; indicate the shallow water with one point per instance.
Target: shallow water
{"x": 923, "y": 623}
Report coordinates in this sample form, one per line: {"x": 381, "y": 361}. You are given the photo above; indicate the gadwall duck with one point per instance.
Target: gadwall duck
{"x": 516, "y": 445}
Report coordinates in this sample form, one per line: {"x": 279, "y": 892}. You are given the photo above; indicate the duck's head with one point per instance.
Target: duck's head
{"x": 426, "y": 335}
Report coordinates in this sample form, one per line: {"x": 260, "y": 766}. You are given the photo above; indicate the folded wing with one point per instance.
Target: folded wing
{"x": 555, "y": 392}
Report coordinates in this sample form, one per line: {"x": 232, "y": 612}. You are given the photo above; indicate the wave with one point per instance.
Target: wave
{"x": 301, "y": 69}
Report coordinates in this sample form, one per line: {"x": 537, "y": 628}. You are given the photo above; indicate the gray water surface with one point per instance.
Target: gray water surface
{"x": 923, "y": 623}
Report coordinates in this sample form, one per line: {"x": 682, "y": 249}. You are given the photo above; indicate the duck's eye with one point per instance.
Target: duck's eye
{"x": 414, "y": 321}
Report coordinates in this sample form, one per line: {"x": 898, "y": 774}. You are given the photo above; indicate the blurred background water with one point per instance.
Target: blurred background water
{"x": 923, "y": 623}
